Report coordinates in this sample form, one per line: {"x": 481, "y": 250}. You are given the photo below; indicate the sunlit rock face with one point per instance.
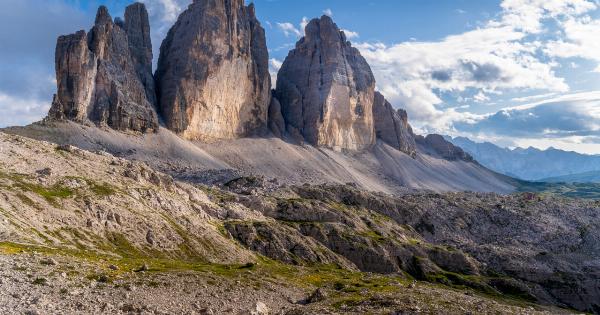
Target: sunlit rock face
{"x": 326, "y": 90}
{"x": 105, "y": 76}
{"x": 212, "y": 77}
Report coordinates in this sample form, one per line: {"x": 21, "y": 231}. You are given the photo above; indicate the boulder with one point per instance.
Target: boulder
{"x": 213, "y": 78}
{"x": 102, "y": 79}
{"x": 391, "y": 126}
{"x": 326, "y": 90}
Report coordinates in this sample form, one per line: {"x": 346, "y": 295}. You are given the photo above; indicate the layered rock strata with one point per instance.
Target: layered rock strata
{"x": 104, "y": 76}
{"x": 212, "y": 77}
{"x": 326, "y": 90}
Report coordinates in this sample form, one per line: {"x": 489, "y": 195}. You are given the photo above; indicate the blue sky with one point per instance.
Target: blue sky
{"x": 514, "y": 72}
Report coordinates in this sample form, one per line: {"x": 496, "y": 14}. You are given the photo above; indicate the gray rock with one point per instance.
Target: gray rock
{"x": 98, "y": 77}
{"x": 443, "y": 148}
{"x": 44, "y": 172}
{"x": 392, "y": 126}
{"x": 317, "y": 296}
{"x": 326, "y": 90}
{"x": 150, "y": 237}
{"x": 49, "y": 262}
{"x": 137, "y": 27}
{"x": 276, "y": 121}
{"x": 212, "y": 77}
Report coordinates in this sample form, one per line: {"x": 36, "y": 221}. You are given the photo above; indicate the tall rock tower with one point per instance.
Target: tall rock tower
{"x": 213, "y": 78}
{"x": 104, "y": 76}
{"x": 326, "y": 90}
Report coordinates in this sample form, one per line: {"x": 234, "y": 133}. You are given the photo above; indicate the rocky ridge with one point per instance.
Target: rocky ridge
{"x": 221, "y": 89}
{"x": 104, "y": 76}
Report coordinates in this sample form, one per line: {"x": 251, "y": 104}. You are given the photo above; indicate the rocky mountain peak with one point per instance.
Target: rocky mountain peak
{"x": 212, "y": 75}
{"x": 100, "y": 81}
{"x": 326, "y": 90}
{"x": 102, "y": 16}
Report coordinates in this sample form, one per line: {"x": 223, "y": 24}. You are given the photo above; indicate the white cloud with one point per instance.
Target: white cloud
{"x": 506, "y": 53}
{"x": 480, "y": 97}
{"x": 274, "y": 66}
{"x": 304, "y": 23}
{"x": 162, "y": 14}
{"x": 350, "y": 34}
{"x": 289, "y": 29}
{"x": 580, "y": 40}
{"x": 328, "y": 12}
{"x": 532, "y": 97}
{"x": 18, "y": 111}
{"x": 559, "y": 119}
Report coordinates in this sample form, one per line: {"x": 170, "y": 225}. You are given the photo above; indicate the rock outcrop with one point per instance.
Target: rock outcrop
{"x": 276, "y": 122}
{"x": 103, "y": 75}
{"x": 392, "y": 127}
{"x": 212, "y": 77}
{"x": 326, "y": 90}
{"x": 443, "y": 148}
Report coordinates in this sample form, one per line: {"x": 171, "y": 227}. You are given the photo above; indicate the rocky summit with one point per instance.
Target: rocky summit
{"x": 326, "y": 90}
{"x": 213, "y": 78}
{"x": 104, "y": 76}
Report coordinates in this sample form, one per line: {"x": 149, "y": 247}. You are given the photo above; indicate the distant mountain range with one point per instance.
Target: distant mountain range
{"x": 551, "y": 165}
{"x": 587, "y": 177}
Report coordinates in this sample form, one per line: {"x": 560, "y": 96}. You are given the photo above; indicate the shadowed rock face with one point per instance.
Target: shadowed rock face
{"x": 212, "y": 77}
{"x": 392, "y": 126}
{"x": 444, "y": 148}
{"x": 102, "y": 76}
{"x": 326, "y": 90}
{"x": 137, "y": 27}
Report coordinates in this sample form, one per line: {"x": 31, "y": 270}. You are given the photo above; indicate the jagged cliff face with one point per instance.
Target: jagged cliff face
{"x": 103, "y": 76}
{"x": 392, "y": 127}
{"x": 212, "y": 77}
{"x": 326, "y": 90}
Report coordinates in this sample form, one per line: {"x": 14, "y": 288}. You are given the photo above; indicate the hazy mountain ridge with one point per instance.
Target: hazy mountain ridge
{"x": 530, "y": 163}
{"x": 587, "y": 177}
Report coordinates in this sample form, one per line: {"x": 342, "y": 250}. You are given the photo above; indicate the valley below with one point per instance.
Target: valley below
{"x": 88, "y": 232}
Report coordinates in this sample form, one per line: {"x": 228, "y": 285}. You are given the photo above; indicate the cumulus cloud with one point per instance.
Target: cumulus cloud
{"x": 580, "y": 40}
{"x": 289, "y": 29}
{"x": 328, "y": 12}
{"x": 567, "y": 116}
{"x": 274, "y": 66}
{"x": 162, "y": 15}
{"x": 27, "y": 56}
{"x": 506, "y": 53}
{"x": 350, "y": 34}
{"x": 21, "y": 110}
